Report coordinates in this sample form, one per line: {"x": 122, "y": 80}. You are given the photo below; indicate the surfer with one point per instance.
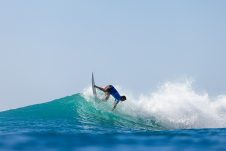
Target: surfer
{"x": 110, "y": 90}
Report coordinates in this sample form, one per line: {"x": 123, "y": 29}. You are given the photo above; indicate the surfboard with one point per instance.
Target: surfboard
{"x": 93, "y": 88}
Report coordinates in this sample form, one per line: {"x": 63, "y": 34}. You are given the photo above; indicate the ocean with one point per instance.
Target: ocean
{"x": 175, "y": 117}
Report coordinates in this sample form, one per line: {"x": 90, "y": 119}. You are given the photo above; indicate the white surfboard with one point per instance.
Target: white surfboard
{"x": 93, "y": 88}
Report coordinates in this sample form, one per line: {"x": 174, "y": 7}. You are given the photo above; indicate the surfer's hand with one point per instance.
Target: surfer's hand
{"x": 115, "y": 104}
{"x": 113, "y": 109}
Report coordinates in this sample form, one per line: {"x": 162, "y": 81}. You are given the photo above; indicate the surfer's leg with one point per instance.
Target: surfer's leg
{"x": 102, "y": 89}
{"x": 107, "y": 95}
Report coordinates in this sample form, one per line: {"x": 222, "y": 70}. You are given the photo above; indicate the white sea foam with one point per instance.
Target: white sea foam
{"x": 174, "y": 105}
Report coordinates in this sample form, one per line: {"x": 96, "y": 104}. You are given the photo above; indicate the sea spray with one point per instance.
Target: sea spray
{"x": 174, "y": 105}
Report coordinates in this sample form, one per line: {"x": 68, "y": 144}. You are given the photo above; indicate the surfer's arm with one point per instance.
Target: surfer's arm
{"x": 115, "y": 104}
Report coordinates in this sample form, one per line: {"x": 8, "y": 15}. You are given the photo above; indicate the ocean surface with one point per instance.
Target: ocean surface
{"x": 174, "y": 117}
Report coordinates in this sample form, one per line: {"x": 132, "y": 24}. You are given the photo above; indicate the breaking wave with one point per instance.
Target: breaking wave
{"x": 174, "y": 105}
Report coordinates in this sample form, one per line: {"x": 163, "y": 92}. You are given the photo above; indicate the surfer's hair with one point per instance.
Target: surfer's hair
{"x": 123, "y": 98}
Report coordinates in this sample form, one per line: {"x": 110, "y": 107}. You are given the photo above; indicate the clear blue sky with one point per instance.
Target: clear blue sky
{"x": 48, "y": 49}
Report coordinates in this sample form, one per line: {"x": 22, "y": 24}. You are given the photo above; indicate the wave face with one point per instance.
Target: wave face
{"x": 172, "y": 106}
{"x": 74, "y": 113}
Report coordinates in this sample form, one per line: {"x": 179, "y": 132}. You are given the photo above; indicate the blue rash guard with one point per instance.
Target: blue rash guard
{"x": 114, "y": 93}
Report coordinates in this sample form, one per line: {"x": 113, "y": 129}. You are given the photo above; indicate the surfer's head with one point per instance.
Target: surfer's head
{"x": 123, "y": 98}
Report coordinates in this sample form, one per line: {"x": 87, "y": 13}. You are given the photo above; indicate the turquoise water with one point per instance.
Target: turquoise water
{"x": 81, "y": 123}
